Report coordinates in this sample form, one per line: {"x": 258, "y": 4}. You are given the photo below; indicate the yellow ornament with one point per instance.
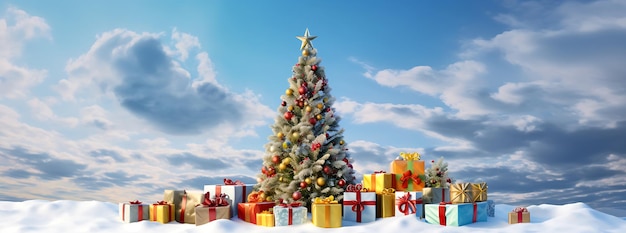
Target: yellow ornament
{"x": 285, "y": 145}
{"x": 287, "y": 160}
{"x": 290, "y": 108}
{"x": 305, "y": 52}
{"x": 280, "y": 135}
{"x": 325, "y": 99}
{"x": 262, "y": 196}
{"x": 289, "y": 92}
{"x": 295, "y": 135}
{"x": 319, "y": 117}
{"x": 280, "y": 179}
{"x": 282, "y": 166}
{"x": 341, "y": 142}
{"x": 306, "y": 103}
{"x": 320, "y": 105}
{"x": 321, "y": 181}
{"x": 308, "y": 108}
{"x": 268, "y": 198}
{"x": 308, "y": 180}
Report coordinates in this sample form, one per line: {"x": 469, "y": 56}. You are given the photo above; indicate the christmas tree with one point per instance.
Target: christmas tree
{"x": 437, "y": 174}
{"x": 306, "y": 156}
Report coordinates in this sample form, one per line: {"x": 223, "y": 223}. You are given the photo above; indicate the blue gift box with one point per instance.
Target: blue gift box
{"x": 491, "y": 208}
{"x": 456, "y": 214}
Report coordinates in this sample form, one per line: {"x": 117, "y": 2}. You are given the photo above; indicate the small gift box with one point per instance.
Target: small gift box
{"x": 133, "y": 211}
{"x": 265, "y": 218}
{"x": 461, "y": 193}
{"x": 210, "y": 210}
{"x": 237, "y": 192}
{"x": 386, "y": 203}
{"x": 358, "y": 204}
{"x": 409, "y": 172}
{"x": 519, "y": 215}
{"x": 479, "y": 192}
{"x": 326, "y": 212}
{"x": 491, "y": 208}
{"x": 184, "y": 204}
{"x": 408, "y": 203}
{"x": 248, "y": 211}
{"x": 447, "y": 214}
{"x": 162, "y": 212}
{"x": 290, "y": 214}
{"x": 379, "y": 181}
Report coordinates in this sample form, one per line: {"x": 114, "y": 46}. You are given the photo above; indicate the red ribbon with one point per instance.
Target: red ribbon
{"x": 405, "y": 204}
{"x": 357, "y": 205}
{"x": 219, "y": 200}
{"x": 520, "y": 211}
{"x": 212, "y": 213}
{"x": 158, "y": 203}
{"x": 183, "y": 206}
{"x": 236, "y": 182}
{"x": 290, "y": 206}
{"x": 139, "y": 213}
{"x": 231, "y": 182}
{"x": 354, "y": 188}
{"x": 408, "y": 175}
{"x": 475, "y": 212}
{"x": 442, "y": 213}
{"x": 135, "y": 202}
{"x": 443, "y": 194}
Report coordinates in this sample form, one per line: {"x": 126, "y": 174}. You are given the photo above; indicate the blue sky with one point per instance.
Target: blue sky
{"x": 118, "y": 100}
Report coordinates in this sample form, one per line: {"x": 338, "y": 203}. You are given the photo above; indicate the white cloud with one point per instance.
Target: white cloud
{"x": 43, "y": 112}
{"x": 183, "y": 43}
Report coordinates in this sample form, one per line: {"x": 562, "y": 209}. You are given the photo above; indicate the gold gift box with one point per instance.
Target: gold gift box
{"x": 479, "y": 192}
{"x": 386, "y": 203}
{"x": 265, "y": 218}
{"x": 461, "y": 193}
{"x": 377, "y": 182}
{"x": 326, "y": 213}
{"x": 162, "y": 213}
{"x": 513, "y": 217}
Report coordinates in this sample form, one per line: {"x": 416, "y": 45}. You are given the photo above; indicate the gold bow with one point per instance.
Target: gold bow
{"x": 328, "y": 200}
{"x": 388, "y": 191}
{"x": 410, "y": 156}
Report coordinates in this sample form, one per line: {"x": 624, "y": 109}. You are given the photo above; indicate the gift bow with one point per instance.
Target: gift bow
{"x": 356, "y": 188}
{"x": 520, "y": 210}
{"x": 220, "y": 199}
{"x": 290, "y": 205}
{"x": 160, "y": 203}
{"x": 388, "y": 191}
{"x": 255, "y": 197}
{"x": 408, "y": 175}
{"x": 135, "y": 202}
{"x": 405, "y": 204}
{"x": 378, "y": 172}
{"x": 410, "y": 156}
{"x": 328, "y": 200}
{"x": 231, "y": 182}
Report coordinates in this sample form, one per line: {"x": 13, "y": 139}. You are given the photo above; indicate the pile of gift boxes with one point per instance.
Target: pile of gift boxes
{"x": 401, "y": 192}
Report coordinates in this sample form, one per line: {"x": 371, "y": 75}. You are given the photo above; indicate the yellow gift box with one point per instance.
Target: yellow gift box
{"x": 519, "y": 215}
{"x": 378, "y": 181}
{"x": 386, "y": 203}
{"x": 408, "y": 172}
{"x": 265, "y": 218}
{"x": 479, "y": 192}
{"x": 461, "y": 193}
{"x": 326, "y": 212}
{"x": 162, "y": 212}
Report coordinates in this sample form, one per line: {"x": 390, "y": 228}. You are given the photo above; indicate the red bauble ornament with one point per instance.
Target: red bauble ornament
{"x": 296, "y": 195}
{"x": 350, "y": 166}
{"x": 341, "y": 183}
{"x": 327, "y": 109}
{"x": 284, "y": 103}
{"x": 448, "y": 180}
{"x": 314, "y": 67}
{"x": 263, "y": 170}
{"x": 275, "y": 159}
{"x": 327, "y": 170}
{"x": 345, "y": 160}
{"x": 297, "y": 64}
{"x": 312, "y": 120}
{"x": 302, "y": 90}
{"x": 303, "y": 184}
{"x": 288, "y": 115}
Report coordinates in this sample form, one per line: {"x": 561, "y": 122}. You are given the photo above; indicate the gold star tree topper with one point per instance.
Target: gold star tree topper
{"x": 306, "y": 39}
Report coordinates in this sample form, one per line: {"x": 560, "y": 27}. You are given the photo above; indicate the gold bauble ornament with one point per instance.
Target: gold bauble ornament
{"x": 289, "y": 92}
{"x": 268, "y": 198}
{"x": 306, "y": 103}
{"x": 308, "y": 180}
{"x": 262, "y": 196}
{"x": 282, "y": 166}
{"x": 308, "y": 108}
{"x": 290, "y": 108}
{"x": 285, "y": 145}
{"x": 295, "y": 135}
{"x": 305, "y": 52}
{"x": 325, "y": 99}
{"x": 341, "y": 142}
{"x": 321, "y": 181}
{"x": 320, "y": 105}
{"x": 280, "y": 179}
{"x": 280, "y": 135}
{"x": 287, "y": 160}
{"x": 319, "y": 117}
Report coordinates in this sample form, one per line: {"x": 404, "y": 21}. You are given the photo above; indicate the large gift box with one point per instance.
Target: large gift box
{"x": 133, "y": 211}
{"x": 491, "y": 208}
{"x": 386, "y": 203}
{"x": 162, "y": 212}
{"x": 479, "y": 192}
{"x": 326, "y": 212}
{"x": 358, "y": 204}
{"x": 408, "y": 203}
{"x": 237, "y": 192}
{"x": 379, "y": 181}
{"x": 461, "y": 193}
{"x": 519, "y": 215}
{"x": 248, "y": 211}
{"x": 184, "y": 204}
{"x": 290, "y": 214}
{"x": 447, "y": 214}
{"x": 409, "y": 172}
{"x": 212, "y": 209}
{"x": 265, "y": 218}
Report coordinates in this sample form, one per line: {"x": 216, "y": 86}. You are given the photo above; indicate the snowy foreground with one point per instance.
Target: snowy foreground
{"x": 95, "y": 217}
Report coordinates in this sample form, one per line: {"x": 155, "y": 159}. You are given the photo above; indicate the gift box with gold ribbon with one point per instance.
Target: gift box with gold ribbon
{"x": 248, "y": 211}
{"x": 237, "y": 192}
{"x": 461, "y": 193}
{"x": 378, "y": 181}
{"x": 519, "y": 215}
{"x": 265, "y": 218}
{"x": 409, "y": 172}
{"x": 386, "y": 203}
{"x": 358, "y": 204}
{"x": 479, "y": 192}
{"x": 184, "y": 204}
{"x": 212, "y": 209}
{"x": 326, "y": 212}
{"x": 133, "y": 211}
{"x": 162, "y": 212}
{"x": 408, "y": 203}
{"x": 286, "y": 214}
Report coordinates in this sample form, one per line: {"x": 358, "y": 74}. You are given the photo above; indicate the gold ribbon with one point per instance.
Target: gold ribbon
{"x": 388, "y": 191}
{"x": 328, "y": 200}
{"x": 410, "y": 156}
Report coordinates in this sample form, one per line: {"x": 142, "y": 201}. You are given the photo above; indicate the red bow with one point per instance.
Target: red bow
{"x": 291, "y": 205}
{"x": 408, "y": 175}
{"x": 220, "y": 199}
{"x": 135, "y": 202}
{"x": 520, "y": 210}
{"x": 381, "y": 171}
{"x": 230, "y": 182}
{"x": 355, "y": 188}
{"x": 160, "y": 203}
{"x": 405, "y": 204}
